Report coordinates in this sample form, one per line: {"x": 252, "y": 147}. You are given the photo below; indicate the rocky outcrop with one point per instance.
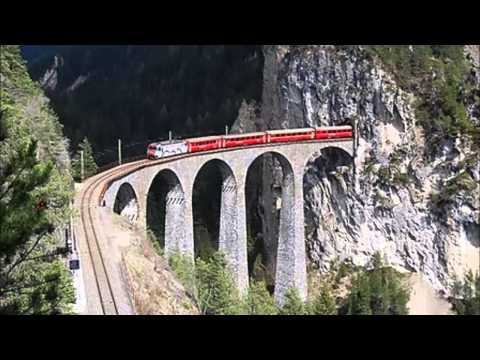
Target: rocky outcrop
{"x": 382, "y": 200}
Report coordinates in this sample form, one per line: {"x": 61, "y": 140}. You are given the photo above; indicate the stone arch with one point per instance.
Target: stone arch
{"x": 278, "y": 245}
{"x": 222, "y": 193}
{"x": 328, "y": 176}
{"x": 126, "y": 202}
{"x": 166, "y": 210}
{"x": 342, "y": 152}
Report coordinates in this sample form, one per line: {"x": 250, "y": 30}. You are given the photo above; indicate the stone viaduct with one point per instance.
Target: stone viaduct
{"x": 180, "y": 175}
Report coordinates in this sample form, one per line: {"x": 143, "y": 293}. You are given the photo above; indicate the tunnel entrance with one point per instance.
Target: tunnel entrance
{"x": 214, "y": 212}
{"x": 269, "y": 182}
{"x": 166, "y": 210}
{"x": 126, "y": 203}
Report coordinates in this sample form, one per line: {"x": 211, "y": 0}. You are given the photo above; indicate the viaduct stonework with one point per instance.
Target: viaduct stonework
{"x": 132, "y": 191}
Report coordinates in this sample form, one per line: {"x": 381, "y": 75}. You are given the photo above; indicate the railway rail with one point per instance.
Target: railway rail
{"x": 103, "y": 284}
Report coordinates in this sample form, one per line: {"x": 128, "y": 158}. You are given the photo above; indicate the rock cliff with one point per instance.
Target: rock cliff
{"x": 386, "y": 199}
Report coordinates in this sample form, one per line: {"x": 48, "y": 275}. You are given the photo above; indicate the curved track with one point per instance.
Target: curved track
{"x": 103, "y": 284}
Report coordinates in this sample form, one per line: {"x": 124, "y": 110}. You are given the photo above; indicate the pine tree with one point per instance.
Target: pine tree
{"x": 378, "y": 291}
{"x": 217, "y": 293}
{"x": 259, "y": 301}
{"x": 28, "y": 287}
{"x": 324, "y": 303}
{"x": 359, "y": 298}
{"x": 90, "y": 166}
{"x": 35, "y": 192}
{"x": 293, "y": 304}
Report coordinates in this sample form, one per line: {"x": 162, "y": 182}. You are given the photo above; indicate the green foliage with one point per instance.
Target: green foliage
{"x": 466, "y": 295}
{"x": 41, "y": 288}
{"x": 155, "y": 242}
{"x": 184, "y": 268}
{"x": 324, "y": 303}
{"x": 341, "y": 271}
{"x": 35, "y": 193}
{"x": 205, "y": 249}
{"x": 259, "y": 301}
{"x": 293, "y": 304}
{"x": 359, "y": 298}
{"x": 375, "y": 291}
{"x": 259, "y": 271}
{"x": 19, "y": 212}
{"x": 378, "y": 291}
{"x": 401, "y": 178}
{"x": 369, "y": 166}
{"x": 437, "y": 74}
{"x": 217, "y": 293}
{"x": 210, "y": 284}
{"x": 461, "y": 182}
{"x": 90, "y": 166}
{"x": 384, "y": 175}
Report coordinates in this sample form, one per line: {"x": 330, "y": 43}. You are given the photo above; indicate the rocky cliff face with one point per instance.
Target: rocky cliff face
{"x": 383, "y": 200}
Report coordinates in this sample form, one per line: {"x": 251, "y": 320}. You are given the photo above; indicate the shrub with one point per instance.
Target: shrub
{"x": 259, "y": 301}
{"x": 155, "y": 242}
{"x": 461, "y": 182}
{"x": 324, "y": 303}
{"x": 293, "y": 304}
{"x": 437, "y": 75}
{"x": 378, "y": 291}
{"x": 401, "y": 178}
{"x": 217, "y": 294}
{"x": 184, "y": 268}
{"x": 466, "y": 295}
{"x": 90, "y": 166}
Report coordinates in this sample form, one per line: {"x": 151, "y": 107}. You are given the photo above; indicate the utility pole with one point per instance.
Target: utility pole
{"x": 119, "y": 152}
{"x": 170, "y": 136}
{"x": 226, "y": 129}
{"x": 82, "y": 168}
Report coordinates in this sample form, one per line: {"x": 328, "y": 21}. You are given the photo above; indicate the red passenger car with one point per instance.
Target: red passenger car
{"x": 290, "y": 135}
{"x": 204, "y": 143}
{"x": 159, "y": 150}
{"x": 230, "y": 141}
{"x": 333, "y": 132}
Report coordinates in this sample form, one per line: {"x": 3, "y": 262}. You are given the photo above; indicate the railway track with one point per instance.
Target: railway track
{"x": 104, "y": 287}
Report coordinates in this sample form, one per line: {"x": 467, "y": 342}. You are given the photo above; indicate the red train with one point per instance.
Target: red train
{"x": 169, "y": 148}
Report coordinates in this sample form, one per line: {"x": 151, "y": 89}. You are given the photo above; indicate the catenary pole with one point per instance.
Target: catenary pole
{"x": 82, "y": 166}
{"x": 119, "y": 152}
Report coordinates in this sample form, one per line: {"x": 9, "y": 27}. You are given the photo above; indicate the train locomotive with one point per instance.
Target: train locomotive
{"x": 177, "y": 147}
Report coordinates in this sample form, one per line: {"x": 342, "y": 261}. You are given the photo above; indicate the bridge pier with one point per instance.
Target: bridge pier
{"x": 291, "y": 269}
{"x": 186, "y": 242}
{"x": 233, "y": 234}
{"x": 175, "y": 221}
